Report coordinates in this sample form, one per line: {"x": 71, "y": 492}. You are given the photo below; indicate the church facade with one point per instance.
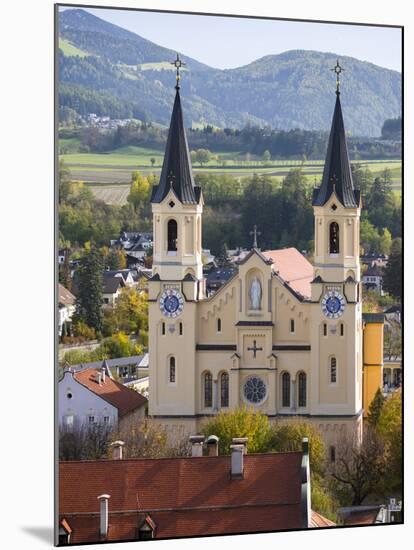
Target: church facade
{"x": 282, "y": 336}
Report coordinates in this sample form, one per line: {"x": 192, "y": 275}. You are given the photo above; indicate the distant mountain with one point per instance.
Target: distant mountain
{"x": 108, "y": 70}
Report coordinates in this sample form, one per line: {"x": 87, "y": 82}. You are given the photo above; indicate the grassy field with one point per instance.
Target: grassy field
{"x": 69, "y": 49}
{"x": 107, "y": 172}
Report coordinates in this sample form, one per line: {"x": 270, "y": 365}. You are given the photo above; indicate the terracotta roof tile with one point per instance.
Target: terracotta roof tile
{"x": 317, "y": 520}
{"x": 118, "y": 395}
{"x": 65, "y": 296}
{"x": 182, "y": 496}
{"x": 293, "y": 268}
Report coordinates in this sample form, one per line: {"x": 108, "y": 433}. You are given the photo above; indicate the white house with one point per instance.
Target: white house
{"x": 66, "y": 303}
{"x": 91, "y": 396}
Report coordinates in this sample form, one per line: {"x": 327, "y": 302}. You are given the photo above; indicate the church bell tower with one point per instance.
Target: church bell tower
{"x": 177, "y": 283}
{"x": 336, "y": 355}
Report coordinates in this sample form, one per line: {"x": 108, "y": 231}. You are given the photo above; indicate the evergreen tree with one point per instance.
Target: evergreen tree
{"x": 393, "y": 271}
{"x": 375, "y": 408}
{"x": 222, "y": 257}
{"x": 89, "y": 299}
{"x": 64, "y": 273}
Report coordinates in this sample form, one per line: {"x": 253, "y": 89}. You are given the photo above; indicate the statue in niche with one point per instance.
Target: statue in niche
{"x": 255, "y": 294}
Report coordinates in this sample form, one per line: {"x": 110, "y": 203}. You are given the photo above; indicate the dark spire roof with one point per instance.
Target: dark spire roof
{"x": 176, "y": 170}
{"x": 337, "y": 171}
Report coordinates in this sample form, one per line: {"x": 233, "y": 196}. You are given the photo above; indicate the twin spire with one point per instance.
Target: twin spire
{"x": 337, "y": 175}
{"x": 176, "y": 173}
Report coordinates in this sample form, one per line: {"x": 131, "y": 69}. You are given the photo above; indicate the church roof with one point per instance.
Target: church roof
{"x": 295, "y": 270}
{"x": 176, "y": 170}
{"x": 337, "y": 174}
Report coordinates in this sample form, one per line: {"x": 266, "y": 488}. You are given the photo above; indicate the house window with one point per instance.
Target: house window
{"x": 332, "y": 453}
{"x": 219, "y": 325}
{"x": 208, "y": 389}
{"x": 106, "y": 420}
{"x": 285, "y": 389}
{"x": 342, "y": 329}
{"x": 325, "y": 329}
{"x": 69, "y": 421}
{"x": 163, "y": 329}
{"x": 302, "y": 389}
{"x": 333, "y": 370}
{"x": 106, "y": 300}
{"x": 224, "y": 389}
{"x": 91, "y": 420}
{"x": 292, "y": 326}
{"x": 171, "y": 371}
{"x": 172, "y": 236}
{"x": 334, "y": 238}
{"x": 181, "y": 329}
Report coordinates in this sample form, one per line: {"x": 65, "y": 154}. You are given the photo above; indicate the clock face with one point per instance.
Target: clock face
{"x": 171, "y": 303}
{"x": 254, "y": 390}
{"x": 333, "y": 304}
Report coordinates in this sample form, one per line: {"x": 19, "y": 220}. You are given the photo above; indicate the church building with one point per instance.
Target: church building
{"x": 282, "y": 335}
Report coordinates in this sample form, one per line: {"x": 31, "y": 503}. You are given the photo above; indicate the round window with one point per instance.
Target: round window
{"x": 254, "y": 389}
{"x": 69, "y": 395}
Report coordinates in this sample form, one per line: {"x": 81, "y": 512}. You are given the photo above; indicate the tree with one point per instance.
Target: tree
{"x": 130, "y": 314}
{"x": 222, "y": 257}
{"x": 64, "y": 272}
{"x": 392, "y": 340}
{"x": 64, "y": 177}
{"x": 139, "y": 191}
{"x": 241, "y": 422}
{"x": 375, "y": 408}
{"x": 152, "y": 160}
{"x": 266, "y": 156}
{"x": 203, "y": 156}
{"x": 359, "y": 468}
{"x": 393, "y": 271}
{"x": 89, "y": 299}
{"x": 389, "y": 427}
{"x": 118, "y": 345}
{"x": 116, "y": 259}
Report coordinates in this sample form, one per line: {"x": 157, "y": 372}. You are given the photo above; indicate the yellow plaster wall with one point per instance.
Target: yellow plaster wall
{"x": 373, "y": 362}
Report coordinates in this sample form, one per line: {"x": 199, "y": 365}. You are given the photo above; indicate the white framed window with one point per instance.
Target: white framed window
{"x": 91, "y": 419}
{"x": 106, "y": 419}
{"x": 69, "y": 419}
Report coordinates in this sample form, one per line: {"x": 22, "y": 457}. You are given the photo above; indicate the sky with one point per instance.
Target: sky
{"x": 228, "y": 42}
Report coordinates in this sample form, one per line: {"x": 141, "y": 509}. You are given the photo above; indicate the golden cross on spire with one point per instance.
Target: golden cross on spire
{"x": 337, "y": 70}
{"x": 177, "y": 64}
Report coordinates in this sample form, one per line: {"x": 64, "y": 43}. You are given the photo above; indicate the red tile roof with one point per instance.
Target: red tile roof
{"x": 65, "y": 296}
{"x": 293, "y": 268}
{"x": 184, "y": 497}
{"x": 317, "y": 520}
{"x": 118, "y": 395}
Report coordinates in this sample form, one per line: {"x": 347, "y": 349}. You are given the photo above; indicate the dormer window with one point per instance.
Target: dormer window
{"x": 146, "y": 529}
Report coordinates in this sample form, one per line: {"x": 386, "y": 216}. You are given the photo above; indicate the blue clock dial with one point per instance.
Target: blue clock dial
{"x": 171, "y": 303}
{"x": 333, "y": 304}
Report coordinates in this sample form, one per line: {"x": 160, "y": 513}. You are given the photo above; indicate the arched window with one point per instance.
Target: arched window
{"x": 219, "y": 325}
{"x": 163, "y": 329}
{"x": 181, "y": 329}
{"x": 208, "y": 389}
{"x": 332, "y": 370}
{"x": 342, "y": 329}
{"x": 325, "y": 329}
{"x": 172, "y": 236}
{"x": 224, "y": 389}
{"x": 292, "y": 326}
{"x": 302, "y": 389}
{"x": 171, "y": 370}
{"x": 334, "y": 238}
{"x": 285, "y": 389}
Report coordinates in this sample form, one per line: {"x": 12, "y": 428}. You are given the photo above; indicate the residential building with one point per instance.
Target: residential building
{"x": 67, "y": 307}
{"x": 141, "y": 499}
{"x": 91, "y": 396}
{"x": 372, "y": 279}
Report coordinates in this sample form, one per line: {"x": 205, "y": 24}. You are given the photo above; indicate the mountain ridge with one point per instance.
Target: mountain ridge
{"x": 293, "y": 89}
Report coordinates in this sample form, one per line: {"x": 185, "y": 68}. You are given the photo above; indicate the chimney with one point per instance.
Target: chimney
{"x": 197, "y": 445}
{"x": 241, "y": 441}
{"x": 117, "y": 450}
{"x": 213, "y": 445}
{"x": 103, "y": 372}
{"x": 103, "y": 515}
{"x": 237, "y": 469}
